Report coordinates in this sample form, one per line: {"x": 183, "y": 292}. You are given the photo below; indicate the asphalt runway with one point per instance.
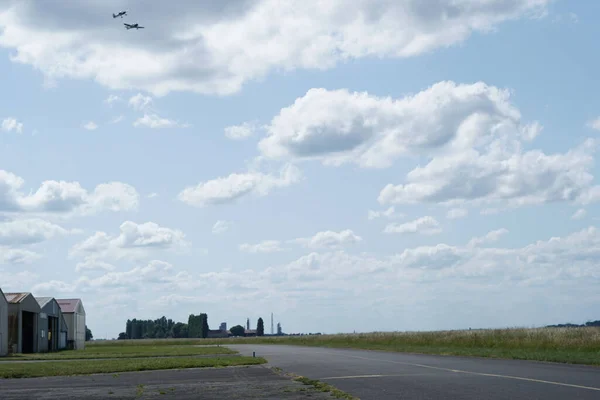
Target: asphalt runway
{"x": 375, "y": 375}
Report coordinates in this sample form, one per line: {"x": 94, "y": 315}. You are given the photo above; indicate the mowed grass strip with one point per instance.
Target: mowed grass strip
{"x": 129, "y": 351}
{"x": 81, "y": 367}
{"x": 566, "y": 345}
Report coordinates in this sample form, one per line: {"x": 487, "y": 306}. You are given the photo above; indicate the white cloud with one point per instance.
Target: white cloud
{"x": 140, "y": 102}
{"x": 329, "y": 239}
{"x": 154, "y": 121}
{"x": 221, "y": 226}
{"x": 491, "y": 236}
{"x": 339, "y": 126}
{"x": 456, "y": 213}
{"x": 230, "y": 188}
{"x": 10, "y": 255}
{"x": 239, "y": 132}
{"x": 579, "y": 214}
{"x": 390, "y": 213}
{"x": 216, "y": 49}
{"x": 64, "y": 197}
{"x": 152, "y": 195}
{"x": 134, "y": 242}
{"x": 135, "y": 279}
{"x": 112, "y": 99}
{"x": 117, "y": 119}
{"x": 595, "y": 124}
{"x": 90, "y": 126}
{"x": 11, "y": 124}
{"x": 30, "y": 231}
{"x": 266, "y": 246}
{"x": 503, "y": 175}
{"x": 425, "y": 225}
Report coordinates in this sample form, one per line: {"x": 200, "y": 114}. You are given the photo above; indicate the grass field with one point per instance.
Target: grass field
{"x": 114, "y": 351}
{"x": 567, "y": 345}
{"x": 84, "y": 367}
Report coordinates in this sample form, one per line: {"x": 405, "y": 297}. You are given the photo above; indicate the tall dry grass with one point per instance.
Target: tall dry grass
{"x": 574, "y": 345}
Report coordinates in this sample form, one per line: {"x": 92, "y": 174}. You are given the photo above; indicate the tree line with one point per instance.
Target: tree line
{"x": 589, "y": 323}
{"x": 162, "y": 328}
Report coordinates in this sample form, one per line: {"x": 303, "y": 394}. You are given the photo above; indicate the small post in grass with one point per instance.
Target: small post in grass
{"x": 253, "y": 354}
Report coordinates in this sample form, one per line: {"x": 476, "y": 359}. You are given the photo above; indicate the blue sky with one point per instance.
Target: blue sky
{"x": 477, "y": 129}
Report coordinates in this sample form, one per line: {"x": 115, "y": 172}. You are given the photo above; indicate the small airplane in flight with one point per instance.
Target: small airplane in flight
{"x": 132, "y": 26}
{"x": 120, "y": 14}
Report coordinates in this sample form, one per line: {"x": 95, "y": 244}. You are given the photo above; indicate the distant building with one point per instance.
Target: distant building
{"x": 249, "y": 332}
{"x": 23, "y": 321}
{"x": 74, "y": 313}
{"x": 52, "y": 325}
{"x": 3, "y": 325}
{"x": 217, "y": 333}
{"x": 248, "y": 323}
{"x": 223, "y": 327}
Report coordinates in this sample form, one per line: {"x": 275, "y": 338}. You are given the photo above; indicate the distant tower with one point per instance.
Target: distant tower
{"x": 272, "y": 332}
{"x": 279, "y": 331}
{"x": 248, "y": 323}
{"x": 223, "y": 327}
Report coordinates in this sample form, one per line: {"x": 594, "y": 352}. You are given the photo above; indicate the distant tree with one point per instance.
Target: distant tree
{"x": 88, "y": 334}
{"x": 203, "y": 325}
{"x": 260, "y": 327}
{"x": 122, "y": 336}
{"x": 237, "y": 330}
{"x": 194, "y": 326}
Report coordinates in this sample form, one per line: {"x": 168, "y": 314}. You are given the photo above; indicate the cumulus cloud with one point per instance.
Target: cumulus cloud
{"x": 266, "y": 246}
{"x": 90, "y": 126}
{"x": 471, "y": 134}
{"x": 217, "y": 48}
{"x": 117, "y": 119}
{"x": 112, "y": 99}
{"x": 320, "y": 240}
{"x": 595, "y": 124}
{"x": 456, "y": 213}
{"x": 579, "y": 214}
{"x": 230, "y": 188}
{"x": 240, "y": 132}
{"x": 140, "y": 102}
{"x": 134, "y": 242}
{"x": 61, "y": 197}
{"x": 500, "y": 175}
{"x": 425, "y": 225}
{"x": 9, "y": 255}
{"x": 329, "y": 239}
{"x": 490, "y": 237}
{"x": 221, "y": 226}
{"x": 30, "y": 231}
{"x": 154, "y": 121}
{"x": 11, "y": 124}
{"x": 339, "y": 126}
{"x": 137, "y": 278}
{"x": 390, "y": 213}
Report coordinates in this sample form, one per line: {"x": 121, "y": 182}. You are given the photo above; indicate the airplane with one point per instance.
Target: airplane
{"x": 120, "y": 14}
{"x": 131, "y": 26}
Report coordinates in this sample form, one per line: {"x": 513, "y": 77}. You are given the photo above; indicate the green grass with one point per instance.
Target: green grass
{"x": 566, "y": 345}
{"x": 120, "y": 351}
{"x": 324, "y": 387}
{"x": 85, "y": 367}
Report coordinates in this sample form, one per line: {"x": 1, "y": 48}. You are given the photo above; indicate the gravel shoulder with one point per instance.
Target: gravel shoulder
{"x": 244, "y": 382}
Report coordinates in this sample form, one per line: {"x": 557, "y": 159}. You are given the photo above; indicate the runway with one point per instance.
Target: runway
{"x": 385, "y": 375}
